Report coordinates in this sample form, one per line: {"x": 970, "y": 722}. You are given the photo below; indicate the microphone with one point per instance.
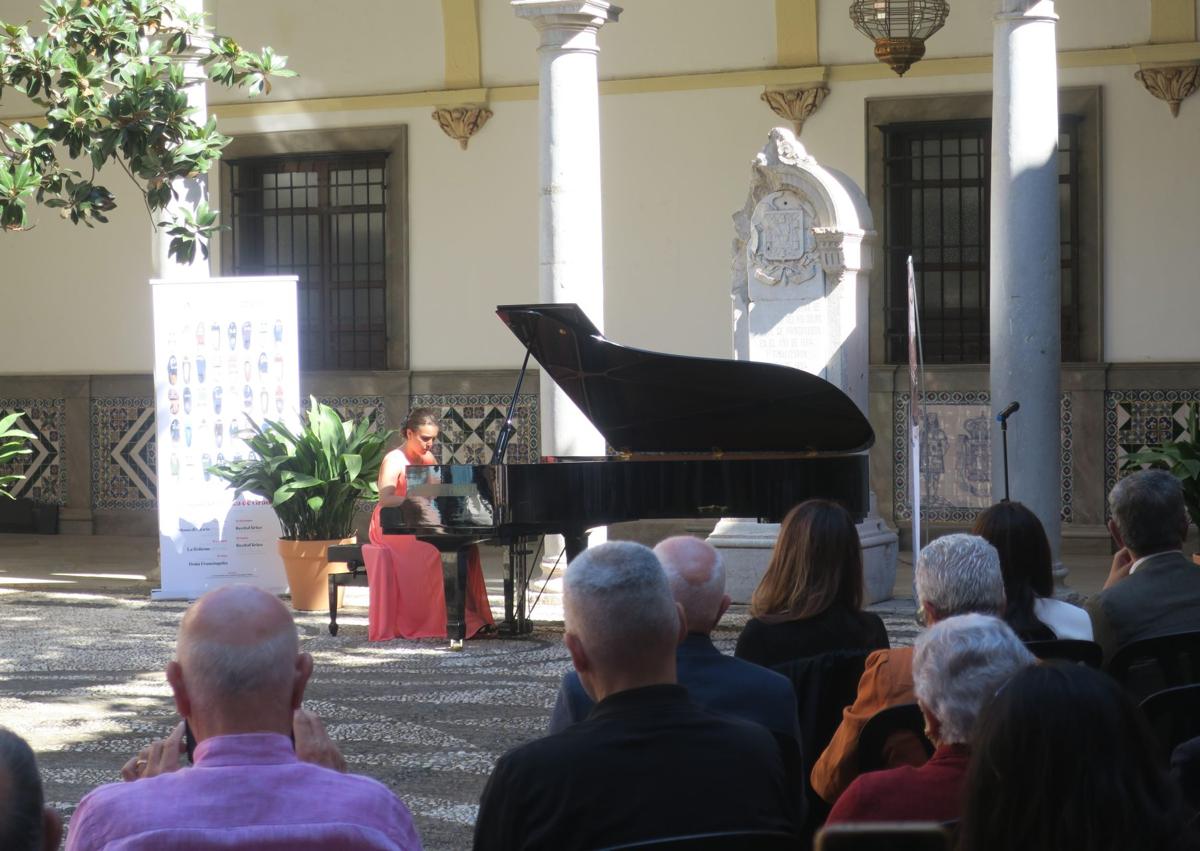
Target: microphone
{"x": 1008, "y": 412}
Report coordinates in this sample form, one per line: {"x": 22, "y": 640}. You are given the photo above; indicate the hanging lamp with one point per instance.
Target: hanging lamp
{"x": 899, "y": 27}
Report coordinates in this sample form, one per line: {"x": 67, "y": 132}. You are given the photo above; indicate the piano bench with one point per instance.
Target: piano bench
{"x": 352, "y": 555}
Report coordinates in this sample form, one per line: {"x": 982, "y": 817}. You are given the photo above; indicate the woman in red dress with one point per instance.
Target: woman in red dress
{"x": 407, "y": 595}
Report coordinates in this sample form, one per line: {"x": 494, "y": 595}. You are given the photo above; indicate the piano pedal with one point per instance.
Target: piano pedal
{"x": 456, "y": 644}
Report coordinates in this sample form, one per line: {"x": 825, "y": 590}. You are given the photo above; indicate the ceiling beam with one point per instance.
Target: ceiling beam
{"x": 460, "y": 27}
{"x": 796, "y": 33}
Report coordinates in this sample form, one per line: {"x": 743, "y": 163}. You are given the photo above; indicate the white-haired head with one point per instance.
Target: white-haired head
{"x": 697, "y": 579}
{"x": 959, "y": 664}
{"x": 618, "y": 604}
{"x": 957, "y": 574}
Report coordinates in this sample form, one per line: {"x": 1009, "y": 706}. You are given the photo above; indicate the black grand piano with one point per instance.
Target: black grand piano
{"x": 692, "y": 437}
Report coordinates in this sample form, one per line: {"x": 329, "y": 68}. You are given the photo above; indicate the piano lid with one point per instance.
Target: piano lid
{"x": 645, "y": 401}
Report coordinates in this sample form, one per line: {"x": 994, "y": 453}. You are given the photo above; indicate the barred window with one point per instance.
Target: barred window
{"x": 936, "y": 205}
{"x": 322, "y": 218}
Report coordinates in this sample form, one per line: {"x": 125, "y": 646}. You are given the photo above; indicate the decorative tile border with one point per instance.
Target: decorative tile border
{"x": 124, "y": 453}
{"x": 354, "y": 407}
{"x": 1136, "y": 419}
{"x": 45, "y": 471}
{"x": 471, "y": 424}
{"x": 956, "y": 456}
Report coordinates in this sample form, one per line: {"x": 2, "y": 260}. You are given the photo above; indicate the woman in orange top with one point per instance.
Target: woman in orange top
{"x": 412, "y": 597}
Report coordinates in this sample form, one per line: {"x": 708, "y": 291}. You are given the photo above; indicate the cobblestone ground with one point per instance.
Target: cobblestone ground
{"x": 81, "y": 678}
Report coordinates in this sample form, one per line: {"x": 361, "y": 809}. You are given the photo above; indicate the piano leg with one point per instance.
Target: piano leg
{"x": 516, "y": 585}
{"x": 454, "y": 579}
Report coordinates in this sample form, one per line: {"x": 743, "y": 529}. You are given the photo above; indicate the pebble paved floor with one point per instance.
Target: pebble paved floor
{"x": 81, "y": 678}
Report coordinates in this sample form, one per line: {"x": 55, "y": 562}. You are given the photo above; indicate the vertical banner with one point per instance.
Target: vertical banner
{"x": 225, "y": 352}
{"x": 915, "y": 411}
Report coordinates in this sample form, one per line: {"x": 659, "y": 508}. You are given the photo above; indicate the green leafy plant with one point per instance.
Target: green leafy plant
{"x": 109, "y": 79}
{"x": 12, "y": 444}
{"x": 1181, "y": 457}
{"x": 313, "y": 477}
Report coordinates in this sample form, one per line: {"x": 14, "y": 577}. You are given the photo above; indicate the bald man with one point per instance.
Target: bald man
{"x": 238, "y": 679}
{"x": 717, "y": 682}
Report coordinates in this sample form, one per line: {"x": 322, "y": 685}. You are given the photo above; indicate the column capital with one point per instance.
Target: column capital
{"x": 582, "y": 14}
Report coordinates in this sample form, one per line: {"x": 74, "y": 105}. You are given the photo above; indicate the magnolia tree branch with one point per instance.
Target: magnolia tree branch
{"x": 109, "y": 77}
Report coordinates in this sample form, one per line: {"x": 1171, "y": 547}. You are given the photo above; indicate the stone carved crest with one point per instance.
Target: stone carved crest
{"x": 781, "y": 244}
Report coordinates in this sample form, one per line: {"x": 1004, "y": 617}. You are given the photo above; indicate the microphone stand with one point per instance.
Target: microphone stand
{"x": 508, "y": 429}
{"x": 1004, "y": 449}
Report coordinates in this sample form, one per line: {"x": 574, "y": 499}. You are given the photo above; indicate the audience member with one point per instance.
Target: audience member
{"x": 26, "y": 823}
{"x": 1025, "y": 562}
{"x": 1152, "y": 588}
{"x": 955, "y": 575}
{"x": 957, "y": 667}
{"x": 238, "y": 680}
{"x": 1185, "y": 768}
{"x": 1063, "y": 758}
{"x": 713, "y": 680}
{"x": 809, "y": 601}
{"x": 647, "y": 763}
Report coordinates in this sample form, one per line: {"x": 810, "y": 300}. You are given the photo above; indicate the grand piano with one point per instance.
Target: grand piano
{"x": 691, "y": 437}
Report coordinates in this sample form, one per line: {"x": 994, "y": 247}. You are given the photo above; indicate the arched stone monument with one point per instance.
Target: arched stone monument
{"x": 801, "y": 258}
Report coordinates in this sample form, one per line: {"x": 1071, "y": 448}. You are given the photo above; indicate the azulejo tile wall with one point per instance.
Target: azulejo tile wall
{"x": 45, "y": 469}
{"x": 471, "y": 423}
{"x": 1136, "y": 419}
{"x": 956, "y": 459}
{"x": 356, "y": 407}
{"x": 124, "y": 453}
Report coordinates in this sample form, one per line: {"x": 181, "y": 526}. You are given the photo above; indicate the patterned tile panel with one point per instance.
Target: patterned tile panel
{"x": 124, "y": 453}
{"x": 45, "y": 471}
{"x": 471, "y": 424}
{"x": 1136, "y": 419}
{"x": 956, "y": 456}
{"x": 355, "y": 407}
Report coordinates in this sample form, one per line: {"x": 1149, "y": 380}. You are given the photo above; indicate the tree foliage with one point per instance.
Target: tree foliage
{"x": 108, "y": 78}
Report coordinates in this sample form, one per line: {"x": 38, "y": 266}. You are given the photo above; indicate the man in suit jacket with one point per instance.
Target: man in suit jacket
{"x": 715, "y": 681}
{"x": 1152, "y": 588}
{"x": 647, "y": 763}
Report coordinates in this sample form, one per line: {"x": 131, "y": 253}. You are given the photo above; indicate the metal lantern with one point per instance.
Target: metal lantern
{"x": 899, "y": 27}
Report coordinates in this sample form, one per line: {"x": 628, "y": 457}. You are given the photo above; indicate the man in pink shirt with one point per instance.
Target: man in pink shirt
{"x": 238, "y": 679}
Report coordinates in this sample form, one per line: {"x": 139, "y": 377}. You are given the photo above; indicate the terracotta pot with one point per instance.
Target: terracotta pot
{"x": 308, "y": 572}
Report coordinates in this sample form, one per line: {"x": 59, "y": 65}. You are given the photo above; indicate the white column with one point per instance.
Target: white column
{"x": 1025, "y": 277}
{"x": 570, "y": 240}
{"x": 189, "y": 191}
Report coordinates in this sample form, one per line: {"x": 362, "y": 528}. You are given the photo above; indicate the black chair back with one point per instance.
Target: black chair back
{"x": 1069, "y": 649}
{"x": 873, "y": 740}
{"x": 885, "y": 836}
{"x": 1174, "y": 715}
{"x": 1154, "y": 664}
{"x": 749, "y": 840}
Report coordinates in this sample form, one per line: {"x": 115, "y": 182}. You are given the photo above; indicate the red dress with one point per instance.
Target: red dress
{"x": 408, "y": 599}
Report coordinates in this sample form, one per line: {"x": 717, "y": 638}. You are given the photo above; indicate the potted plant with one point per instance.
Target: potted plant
{"x": 1182, "y": 458}
{"x": 314, "y": 478}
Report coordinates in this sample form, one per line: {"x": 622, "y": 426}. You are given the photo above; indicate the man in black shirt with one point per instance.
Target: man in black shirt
{"x": 647, "y": 763}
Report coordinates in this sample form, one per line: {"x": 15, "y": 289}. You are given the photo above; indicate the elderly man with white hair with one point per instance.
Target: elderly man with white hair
{"x": 955, "y": 575}
{"x": 647, "y": 763}
{"x": 958, "y": 666}
{"x": 238, "y": 679}
{"x": 715, "y": 681}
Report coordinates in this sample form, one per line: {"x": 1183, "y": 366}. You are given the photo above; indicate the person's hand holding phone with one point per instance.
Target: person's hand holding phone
{"x": 157, "y": 757}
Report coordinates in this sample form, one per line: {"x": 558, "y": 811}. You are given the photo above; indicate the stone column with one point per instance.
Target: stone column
{"x": 571, "y": 261}
{"x": 1025, "y": 287}
{"x": 188, "y": 191}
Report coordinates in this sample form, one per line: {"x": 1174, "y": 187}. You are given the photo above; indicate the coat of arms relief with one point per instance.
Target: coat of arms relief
{"x": 782, "y": 246}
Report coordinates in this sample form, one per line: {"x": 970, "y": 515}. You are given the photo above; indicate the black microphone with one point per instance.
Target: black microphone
{"x": 1008, "y": 412}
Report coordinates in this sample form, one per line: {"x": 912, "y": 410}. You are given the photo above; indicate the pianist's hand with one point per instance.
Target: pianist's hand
{"x": 313, "y": 743}
{"x": 157, "y": 757}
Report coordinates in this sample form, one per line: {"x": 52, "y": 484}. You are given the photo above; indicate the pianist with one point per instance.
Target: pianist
{"x": 647, "y": 763}
{"x": 407, "y": 569}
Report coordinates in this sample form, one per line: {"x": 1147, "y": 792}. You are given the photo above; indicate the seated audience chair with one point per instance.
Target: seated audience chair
{"x": 352, "y": 555}
{"x": 1068, "y": 649}
{"x": 884, "y": 836}
{"x": 752, "y": 840}
{"x": 1174, "y": 715}
{"x": 873, "y": 740}
{"x": 1157, "y": 663}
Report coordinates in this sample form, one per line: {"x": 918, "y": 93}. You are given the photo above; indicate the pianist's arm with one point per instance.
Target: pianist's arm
{"x": 391, "y": 473}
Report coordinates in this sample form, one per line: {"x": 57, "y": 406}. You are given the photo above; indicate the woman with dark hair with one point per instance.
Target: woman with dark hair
{"x": 809, "y": 601}
{"x": 1031, "y": 610}
{"x": 407, "y": 592}
{"x": 1063, "y": 758}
